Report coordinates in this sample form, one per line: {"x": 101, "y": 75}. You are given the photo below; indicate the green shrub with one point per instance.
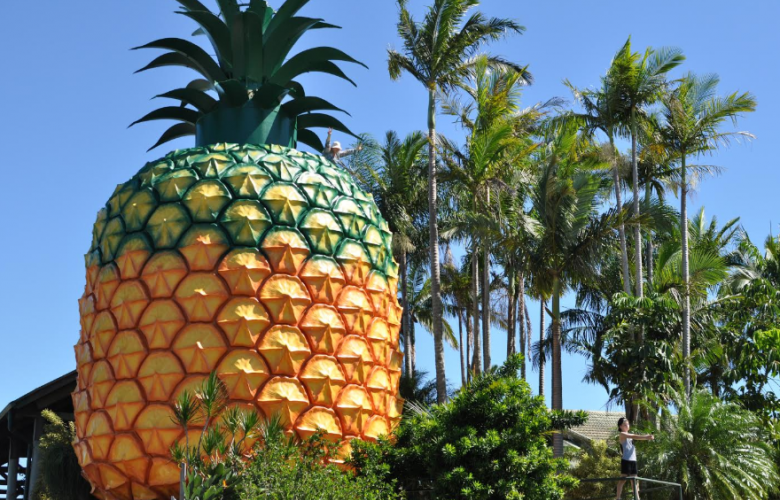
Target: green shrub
{"x": 594, "y": 462}
{"x": 284, "y": 468}
{"x": 60, "y": 477}
{"x": 489, "y": 442}
{"x": 222, "y": 465}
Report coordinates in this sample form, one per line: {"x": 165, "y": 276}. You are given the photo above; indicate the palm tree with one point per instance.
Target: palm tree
{"x": 421, "y": 306}
{"x": 518, "y": 233}
{"x": 573, "y": 236}
{"x": 497, "y": 143}
{"x": 437, "y": 52}
{"x": 394, "y": 173}
{"x": 639, "y": 81}
{"x": 716, "y": 450}
{"x": 456, "y": 290}
{"x": 691, "y": 117}
{"x": 599, "y": 113}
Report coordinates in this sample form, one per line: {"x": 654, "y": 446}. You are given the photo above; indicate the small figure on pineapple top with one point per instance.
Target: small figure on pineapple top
{"x": 333, "y": 152}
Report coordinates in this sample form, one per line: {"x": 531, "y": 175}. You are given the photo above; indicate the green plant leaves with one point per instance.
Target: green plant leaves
{"x": 252, "y": 45}
{"x": 314, "y": 60}
{"x": 171, "y": 113}
{"x": 218, "y": 33}
{"x": 311, "y": 120}
{"x": 310, "y": 139}
{"x": 175, "y": 132}
{"x": 196, "y": 98}
{"x": 297, "y": 107}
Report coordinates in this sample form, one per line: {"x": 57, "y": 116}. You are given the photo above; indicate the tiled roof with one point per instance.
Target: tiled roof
{"x": 601, "y": 425}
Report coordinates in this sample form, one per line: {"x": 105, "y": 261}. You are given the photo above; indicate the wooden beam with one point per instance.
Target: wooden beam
{"x": 13, "y": 469}
{"x": 35, "y": 464}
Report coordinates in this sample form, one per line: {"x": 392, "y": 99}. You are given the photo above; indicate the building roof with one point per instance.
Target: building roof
{"x": 18, "y": 416}
{"x": 601, "y": 425}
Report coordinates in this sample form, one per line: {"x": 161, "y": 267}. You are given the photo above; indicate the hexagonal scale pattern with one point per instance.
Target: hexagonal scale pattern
{"x": 262, "y": 263}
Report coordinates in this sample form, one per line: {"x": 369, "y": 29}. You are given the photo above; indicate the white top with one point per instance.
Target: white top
{"x": 629, "y": 450}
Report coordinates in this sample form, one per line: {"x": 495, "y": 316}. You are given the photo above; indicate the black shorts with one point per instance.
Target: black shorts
{"x": 628, "y": 467}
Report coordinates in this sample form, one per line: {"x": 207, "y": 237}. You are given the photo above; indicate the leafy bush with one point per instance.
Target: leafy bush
{"x": 717, "y": 450}
{"x": 242, "y": 456}
{"x": 596, "y": 461}
{"x": 489, "y": 442}
{"x": 284, "y": 468}
{"x": 60, "y": 477}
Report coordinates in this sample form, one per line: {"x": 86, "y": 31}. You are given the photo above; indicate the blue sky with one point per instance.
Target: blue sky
{"x": 69, "y": 94}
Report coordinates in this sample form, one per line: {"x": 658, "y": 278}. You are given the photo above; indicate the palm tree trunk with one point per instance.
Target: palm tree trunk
{"x": 433, "y": 212}
{"x": 486, "y": 298}
{"x": 521, "y": 312}
{"x": 686, "y": 319}
{"x": 527, "y": 327}
{"x": 414, "y": 348}
{"x": 557, "y": 373}
{"x": 405, "y": 316}
{"x": 541, "y": 343}
{"x": 621, "y": 228}
{"x": 469, "y": 342}
{"x": 649, "y": 250}
{"x": 476, "y": 364}
{"x": 637, "y": 229}
{"x": 510, "y": 313}
{"x": 462, "y": 352}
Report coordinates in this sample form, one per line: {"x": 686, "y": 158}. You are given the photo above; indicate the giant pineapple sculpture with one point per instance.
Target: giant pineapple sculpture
{"x": 240, "y": 256}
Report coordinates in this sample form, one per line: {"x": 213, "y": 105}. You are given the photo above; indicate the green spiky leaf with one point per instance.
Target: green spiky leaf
{"x": 185, "y": 115}
{"x": 296, "y": 90}
{"x": 247, "y": 42}
{"x": 262, "y": 9}
{"x": 218, "y": 33}
{"x": 315, "y": 67}
{"x": 191, "y": 51}
{"x": 175, "y": 132}
{"x": 233, "y": 92}
{"x": 287, "y": 10}
{"x": 202, "y": 85}
{"x": 313, "y": 120}
{"x": 193, "y": 5}
{"x": 171, "y": 59}
{"x": 310, "y": 139}
{"x": 297, "y": 107}
{"x": 312, "y": 60}
{"x": 270, "y": 95}
{"x": 279, "y": 43}
{"x": 229, "y": 9}
{"x": 196, "y": 98}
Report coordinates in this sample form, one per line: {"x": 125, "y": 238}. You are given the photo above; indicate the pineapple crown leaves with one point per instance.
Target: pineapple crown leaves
{"x": 251, "y": 66}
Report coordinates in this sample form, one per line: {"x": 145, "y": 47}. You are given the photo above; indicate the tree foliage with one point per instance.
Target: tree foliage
{"x": 60, "y": 477}
{"x": 715, "y": 449}
{"x": 594, "y": 462}
{"x": 488, "y": 442}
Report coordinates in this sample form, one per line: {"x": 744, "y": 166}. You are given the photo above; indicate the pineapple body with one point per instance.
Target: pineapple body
{"x": 262, "y": 263}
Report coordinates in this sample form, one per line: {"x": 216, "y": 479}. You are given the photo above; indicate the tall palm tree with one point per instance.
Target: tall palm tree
{"x": 497, "y": 143}
{"x": 639, "y": 80}
{"x": 600, "y": 114}
{"x": 394, "y": 173}
{"x": 573, "y": 236}
{"x": 691, "y": 118}
{"x": 437, "y": 52}
{"x": 518, "y": 233}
